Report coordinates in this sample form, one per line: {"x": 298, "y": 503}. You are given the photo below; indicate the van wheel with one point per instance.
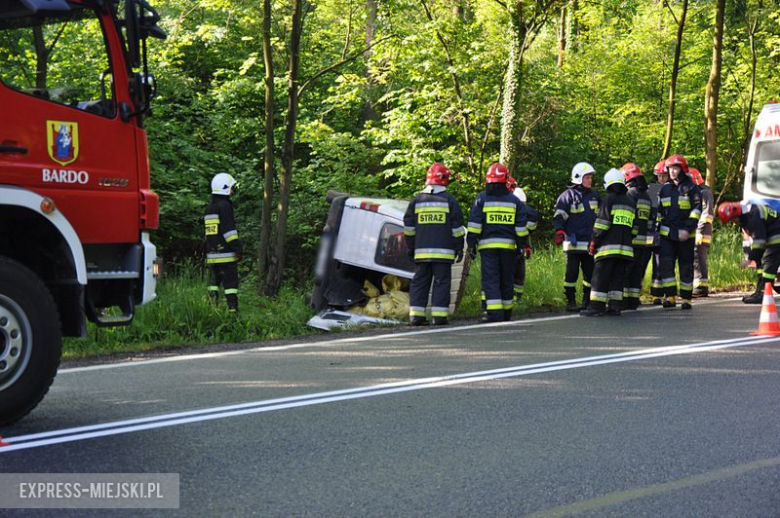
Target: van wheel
{"x": 30, "y": 340}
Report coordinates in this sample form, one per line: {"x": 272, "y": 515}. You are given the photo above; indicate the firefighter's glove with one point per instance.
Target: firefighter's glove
{"x": 699, "y": 239}
{"x": 458, "y": 256}
{"x": 240, "y": 256}
{"x": 683, "y": 236}
{"x": 560, "y": 235}
{"x": 527, "y": 252}
{"x": 592, "y": 248}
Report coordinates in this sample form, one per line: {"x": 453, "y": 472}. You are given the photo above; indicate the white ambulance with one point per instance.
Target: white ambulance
{"x": 762, "y": 168}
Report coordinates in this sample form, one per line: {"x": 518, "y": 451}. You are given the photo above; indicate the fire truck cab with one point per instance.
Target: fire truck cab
{"x": 76, "y": 205}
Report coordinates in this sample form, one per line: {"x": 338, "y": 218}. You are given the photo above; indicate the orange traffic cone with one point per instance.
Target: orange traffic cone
{"x": 767, "y": 323}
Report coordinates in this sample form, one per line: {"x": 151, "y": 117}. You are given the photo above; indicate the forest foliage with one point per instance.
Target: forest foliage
{"x": 373, "y": 125}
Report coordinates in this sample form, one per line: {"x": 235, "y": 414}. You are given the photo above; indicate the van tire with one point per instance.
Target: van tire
{"x": 30, "y": 340}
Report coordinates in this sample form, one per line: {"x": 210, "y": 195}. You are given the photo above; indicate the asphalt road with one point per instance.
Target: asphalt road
{"x": 656, "y": 413}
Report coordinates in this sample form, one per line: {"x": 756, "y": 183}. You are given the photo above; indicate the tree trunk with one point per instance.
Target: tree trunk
{"x": 368, "y": 108}
{"x": 276, "y": 268}
{"x": 673, "y": 82}
{"x": 562, "y": 37}
{"x": 510, "y": 112}
{"x": 265, "y": 226}
{"x": 711, "y": 96}
{"x": 41, "y": 58}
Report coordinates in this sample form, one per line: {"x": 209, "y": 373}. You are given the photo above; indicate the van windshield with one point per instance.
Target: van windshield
{"x": 767, "y": 177}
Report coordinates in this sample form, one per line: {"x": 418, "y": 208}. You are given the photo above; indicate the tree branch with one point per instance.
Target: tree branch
{"x": 338, "y": 64}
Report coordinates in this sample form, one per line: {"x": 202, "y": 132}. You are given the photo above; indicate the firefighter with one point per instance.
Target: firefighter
{"x": 679, "y": 213}
{"x": 223, "y": 246}
{"x": 763, "y": 225}
{"x": 497, "y": 229}
{"x": 643, "y": 240}
{"x": 661, "y": 178}
{"x": 433, "y": 227}
{"x": 532, "y": 223}
{"x": 575, "y": 213}
{"x": 701, "y": 251}
{"x": 610, "y": 245}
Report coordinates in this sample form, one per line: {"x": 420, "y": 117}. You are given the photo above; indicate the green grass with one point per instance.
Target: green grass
{"x": 182, "y": 314}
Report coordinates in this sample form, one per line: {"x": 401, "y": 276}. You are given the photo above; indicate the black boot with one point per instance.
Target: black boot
{"x": 757, "y": 297}
{"x": 571, "y": 302}
{"x": 614, "y": 308}
{"x": 585, "y": 297}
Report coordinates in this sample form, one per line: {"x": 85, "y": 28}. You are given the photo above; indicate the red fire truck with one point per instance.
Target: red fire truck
{"x": 76, "y": 205}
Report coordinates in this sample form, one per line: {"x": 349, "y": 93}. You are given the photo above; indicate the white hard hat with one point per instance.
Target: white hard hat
{"x": 613, "y": 176}
{"x": 580, "y": 170}
{"x": 222, "y": 183}
{"x": 520, "y": 194}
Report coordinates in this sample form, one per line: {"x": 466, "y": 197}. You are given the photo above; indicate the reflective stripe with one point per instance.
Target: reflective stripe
{"x": 686, "y": 285}
{"x": 231, "y": 291}
{"x": 773, "y": 240}
{"x": 569, "y": 284}
{"x": 212, "y": 288}
{"x": 580, "y": 246}
{"x": 459, "y": 231}
{"x": 410, "y": 231}
{"x": 432, "y": 206}
{"x": 494, "y": 304}
{"x": 586, "y": 284}
{"x": 434, "y": 253}
{"x": 664, "y": 230}
{"x": 598, "y": 296}
{"x": 222, "y": 260}
{"x": 211, "y": 217}
{"x": 507, "y": 304}
{"x": 509, "y": 244}
{"x": 615, "y": 295}
{"x": 695, "y": 214}
{"x": 577, "y": 209}
{"x": 666, "y": 202}
{"x": 230, "y": 236}
{"x": 499, "y": 206}
{"x": 615, "y": 250}
{"x": 684, "y": 202}
{"x": 532, "y": 225}
{"x": 601, "y": 224}
{"x": 475, "y": 228}
{"x": 438, "y": 311}
{"x": 521, "y": 231}
{"x": 561, "y": 213}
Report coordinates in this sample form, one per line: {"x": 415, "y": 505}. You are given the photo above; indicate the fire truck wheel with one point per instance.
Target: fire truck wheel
{"x": 30, "y": 340}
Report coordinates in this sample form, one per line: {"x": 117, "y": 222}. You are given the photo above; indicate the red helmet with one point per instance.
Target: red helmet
{"x": 438, "y": 174}
{"x": 630, "y": 171}
{"x": 729, "y": 210}
{"x": 511, "y": 184}
{"x": 677, "y": 160}
{"x": 497, "y": 173}
{"x": 660, "y": 168}
{"x": 696, "y": 176}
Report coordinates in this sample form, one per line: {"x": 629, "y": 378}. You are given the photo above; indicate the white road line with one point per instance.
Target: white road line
{"x": 329, "y": 343}
{"x": 223, "y": 412}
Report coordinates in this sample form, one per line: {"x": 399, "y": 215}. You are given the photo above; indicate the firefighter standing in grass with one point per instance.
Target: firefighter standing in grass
{"x": 610, "y": 245}
{"x": 433, "y": 228}
{"x": 680, "y": 211}
{"x": 532, "y": 222}
{"x": 701, "y": 282}
{"x": 223, "y": 247}
{"x": 497, "y": 229}
{"x": 643, "y": 240}
{"x": 662, "y": 178}
{"x": 763, "y": 225}
{"x": 575, "y": 213}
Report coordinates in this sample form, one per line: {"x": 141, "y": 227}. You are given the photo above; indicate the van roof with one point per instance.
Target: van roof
{"x": 386, "y": 206}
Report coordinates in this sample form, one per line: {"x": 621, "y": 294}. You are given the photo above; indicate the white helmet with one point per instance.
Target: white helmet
{"x": 580, "y": 170}
{"x": 612, "y": 177}
{"x": 223, "y": 183}
{"x": 520, "y": 194}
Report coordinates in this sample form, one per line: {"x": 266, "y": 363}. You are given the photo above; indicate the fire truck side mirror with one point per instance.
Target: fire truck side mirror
{"x": 132, "y": 33}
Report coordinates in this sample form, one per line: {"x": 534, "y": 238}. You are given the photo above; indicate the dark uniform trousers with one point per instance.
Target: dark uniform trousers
{"x": 498, "y": 270}
{"x": 519, "y": 276}
{"x": 576, "y": 261}
{"x": 636, "y": 275}
{"x": 225, "y": 275}
{"x": 681, "y": 253}
{"x": 608, "y": 283}
{"x": 656, "y": 290}
{"x": 441, "y": 275}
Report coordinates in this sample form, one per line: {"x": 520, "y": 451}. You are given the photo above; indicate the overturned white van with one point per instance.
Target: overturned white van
{"x": 363, "y": 240}
{"x": 762, "y": 167}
